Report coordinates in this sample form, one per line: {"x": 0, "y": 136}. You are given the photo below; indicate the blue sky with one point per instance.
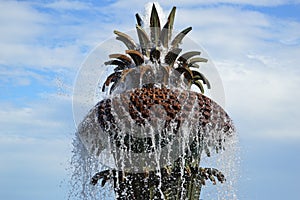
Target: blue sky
{"x": 254, "y": 45}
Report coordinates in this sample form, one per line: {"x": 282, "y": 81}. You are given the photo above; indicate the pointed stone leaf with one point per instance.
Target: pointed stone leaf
{"x": 194, "y": 65}
{"x": 121, "y": 57}
{"x": 136, "y": 56}
{"x": 164, "y": 37}
{"x": 186, "y": 71}
{"x": 166, "y": 32}
{"x": 143, "y": 38}
{"x": 195, "y": 60}
{"x": 200, "y": 76}
{"x": 114, "y": 77}
{"x": 177, "y": 40}
{"x": 154, "y": 26}
{"x": 126, "y": 39}
{"x": 184, "y": 57}
{"x": 115, "y": 62}
{"x": 172, "y": 55}
{"x": 139, "y": 20}
{"x": 199, "y": 85}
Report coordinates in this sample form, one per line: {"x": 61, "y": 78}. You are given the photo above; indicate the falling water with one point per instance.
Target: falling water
{"x": 120, "y": 132}
{"x": 86, "y": 156}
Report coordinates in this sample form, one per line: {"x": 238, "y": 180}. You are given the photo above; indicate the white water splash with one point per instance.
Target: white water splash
{"x": 228, "y": 162}
{"x": 83, "y": 167}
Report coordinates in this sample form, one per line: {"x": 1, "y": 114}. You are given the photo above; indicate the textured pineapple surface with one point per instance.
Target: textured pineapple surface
{"x": 175, "y": 107}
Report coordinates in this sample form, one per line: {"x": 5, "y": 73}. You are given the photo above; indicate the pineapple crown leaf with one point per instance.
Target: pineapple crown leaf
{"x": 115, "y": 62}
{"x": 186, "y": 71}
{"x": 126, "y": 39}
{"x": 143, "y": 39}
{"x": 121, "y": 57}
{"x": 155, "y": 26}
{"x": 184, "y": 57}
{"x": 114, "y": 77}
{"x": 166, "y": 32}
{"x": 172, "y": 55}
{"x": 199, "y": 76}
{"x": 150, "y": 49}
{"x": 139, "y": 20}
{"x": 195, "y": 60}
{"x": 199, "y": 85}
{"x": 194, "y": 65}
{"x": 136, "y": 56}
{"x": 177, "y": 40}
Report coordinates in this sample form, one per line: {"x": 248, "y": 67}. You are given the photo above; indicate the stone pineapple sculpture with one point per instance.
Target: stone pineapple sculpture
{"x": 155, "y": 73}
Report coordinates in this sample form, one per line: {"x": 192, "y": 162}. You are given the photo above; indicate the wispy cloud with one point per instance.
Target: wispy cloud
{"x": 43, "y": 43}
{"x": 47, "y": 118}
{"x": 249, "y": 47}
{"x": 238, "y": 2}
{"x": 266, "y": 105}
{"x": 41, "y": 36}
{"x": 69, "y": 5}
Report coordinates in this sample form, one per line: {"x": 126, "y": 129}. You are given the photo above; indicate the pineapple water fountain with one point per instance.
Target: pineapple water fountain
{"x": 153, "y": 124}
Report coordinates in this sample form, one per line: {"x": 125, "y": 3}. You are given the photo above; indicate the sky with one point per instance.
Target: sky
{"x": 255, "y": 45}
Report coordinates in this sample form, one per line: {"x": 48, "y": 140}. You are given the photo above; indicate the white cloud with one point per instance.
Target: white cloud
{"x": 20, "y": 25}
{"x": 234, "y": 2}
{"x": 39, "y": 57}
{"x": 231, "y": 31}
{"x": 38, "y": 45}
{"x": 32, "y": 150}
{"x": 37, "y": 39}
{"x": 69, "y": 5}
{"x": 51, "y": 117}
{"x": 248, "y": 43}
{"x": 263, "y": 100}
{"x": 256, "y": 54}
{"x": 136, "y": 4}
{"x": 33, "y": 37}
